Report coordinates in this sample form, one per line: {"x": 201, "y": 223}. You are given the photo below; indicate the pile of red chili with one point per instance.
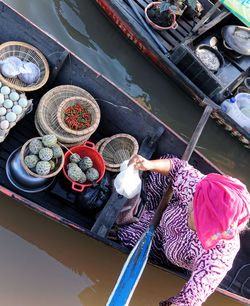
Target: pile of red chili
{"x": 77, "y": 117}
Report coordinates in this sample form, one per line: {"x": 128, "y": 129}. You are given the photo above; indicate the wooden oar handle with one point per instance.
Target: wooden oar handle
{"x": 162, "y": 206}
{"x": 186, "y": 156}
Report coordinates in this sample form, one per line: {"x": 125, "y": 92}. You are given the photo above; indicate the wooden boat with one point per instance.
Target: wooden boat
{"x": 119, "y": 113}
{"x": 173, "y": 52}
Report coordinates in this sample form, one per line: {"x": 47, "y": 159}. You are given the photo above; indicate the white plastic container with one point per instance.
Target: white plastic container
{"x": 243, "y": 102}
{"x": 238, "y": 109}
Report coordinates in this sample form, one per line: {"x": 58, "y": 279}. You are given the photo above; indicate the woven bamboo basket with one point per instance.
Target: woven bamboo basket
{"x": 118, "y": 148}
{"x": 88, "y": 105}
{"x": 28, "y": 53}
{"x": 25, "y": 151}
{"x": 98, "y": 146}
{"x": 62, "y": 144}
{"x": 100, "y": 143}
{"x": 46, "y": 113}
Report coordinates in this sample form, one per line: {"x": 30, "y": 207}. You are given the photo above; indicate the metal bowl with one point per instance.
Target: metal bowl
{"x": 21, "y": 179}
{"x": 215, "y": 52}
{"x": 237, "y": 38}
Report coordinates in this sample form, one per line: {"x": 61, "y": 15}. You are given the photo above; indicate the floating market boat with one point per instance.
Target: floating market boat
{"x": 119, "y": 114}
{"x": 175, "y": 51}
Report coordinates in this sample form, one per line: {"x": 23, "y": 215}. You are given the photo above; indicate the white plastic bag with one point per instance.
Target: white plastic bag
{"x": 127, "y": 182}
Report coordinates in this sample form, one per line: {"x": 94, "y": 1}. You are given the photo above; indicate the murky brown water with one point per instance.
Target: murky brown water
{"x": 44, "y": 263}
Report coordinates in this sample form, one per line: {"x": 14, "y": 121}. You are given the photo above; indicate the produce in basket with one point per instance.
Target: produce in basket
{"x": 11, "y": 66}
{"x": 81, "y": 169}
{"x": 40, "y": 159}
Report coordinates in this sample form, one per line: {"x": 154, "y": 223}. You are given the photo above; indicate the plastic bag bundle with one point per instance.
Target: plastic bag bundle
{"x": 127, "y": 182}
{"x": 13, "y": 67}
{"x": 31, "y": 73}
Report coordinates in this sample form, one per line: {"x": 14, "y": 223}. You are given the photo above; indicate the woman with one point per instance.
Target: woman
{"x": 198, "y": 231}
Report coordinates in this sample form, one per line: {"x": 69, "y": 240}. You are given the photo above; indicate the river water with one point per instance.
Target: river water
{"x": 44, "y": 263}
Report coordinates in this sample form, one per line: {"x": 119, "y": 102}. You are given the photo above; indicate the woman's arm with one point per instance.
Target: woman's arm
{"x": 161, "y": 166}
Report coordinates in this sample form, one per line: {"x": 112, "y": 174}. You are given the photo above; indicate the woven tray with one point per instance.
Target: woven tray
{"x": 46, "y": 113}
{"x": 27, "y": 53}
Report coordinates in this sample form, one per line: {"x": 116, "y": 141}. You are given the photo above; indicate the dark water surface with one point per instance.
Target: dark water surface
{"x": 44, "y": 263}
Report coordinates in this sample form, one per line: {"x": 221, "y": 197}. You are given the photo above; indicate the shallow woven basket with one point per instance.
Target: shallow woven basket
{"x": 100, "y": 143}
{"x": 46, "y": 113}
{"x": 88, "y": 106}
{"x": 25, "y": 151}
{"x": 27, "y": 53}
{"x": 118, "y": 148}
{"x": 98, "y": 146}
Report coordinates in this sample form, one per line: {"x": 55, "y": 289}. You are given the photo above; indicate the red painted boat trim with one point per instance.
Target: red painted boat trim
{"x": 124, "y": 27}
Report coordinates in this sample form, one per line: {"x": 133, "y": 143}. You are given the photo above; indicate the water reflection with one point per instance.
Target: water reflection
{"x": 44, "y": 263}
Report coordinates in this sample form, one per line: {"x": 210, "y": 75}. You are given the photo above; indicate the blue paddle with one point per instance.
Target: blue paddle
{"x": 137, "y": 259}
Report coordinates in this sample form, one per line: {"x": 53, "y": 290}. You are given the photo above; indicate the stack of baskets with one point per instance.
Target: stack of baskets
{"x": 50, "y": 111}
{"x": 116, "y": 149}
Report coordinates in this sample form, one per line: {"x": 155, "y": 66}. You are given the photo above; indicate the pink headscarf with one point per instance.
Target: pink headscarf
{"x": 221, "y": 205}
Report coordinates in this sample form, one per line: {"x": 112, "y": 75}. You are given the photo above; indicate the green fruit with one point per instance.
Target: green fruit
{"x": 45, "y": 154}
{"x": 52, "y": 164}
{"x": 49, "y": 140}
{"x": 85, "y": 163}
{"x": 35, "y": 146}
{"x": 75, "y": 158}
{"x": 43, "y": 167}
{"x": 57, "y": 152}
{"x": 69, "y": 165}
{"x": 82, "y": 179}
{"x": 75, "y": 173}
{"x": 92, "y": 174}
{"x": 31, "y": 160}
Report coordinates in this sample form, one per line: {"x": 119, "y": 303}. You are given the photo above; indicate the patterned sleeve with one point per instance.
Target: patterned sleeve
{"x": 210, "y": 267}
{"x": 185, "y": 177}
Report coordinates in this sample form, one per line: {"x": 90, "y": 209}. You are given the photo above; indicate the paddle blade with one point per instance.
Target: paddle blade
{"x": 132, "y": 270}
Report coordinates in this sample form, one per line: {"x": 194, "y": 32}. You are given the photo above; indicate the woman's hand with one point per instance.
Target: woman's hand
{"x": 140, "y": 163}
{"x": 158, "y": 165}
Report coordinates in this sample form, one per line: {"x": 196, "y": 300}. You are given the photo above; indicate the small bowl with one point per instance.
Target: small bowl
{"x": 25, "y": 151}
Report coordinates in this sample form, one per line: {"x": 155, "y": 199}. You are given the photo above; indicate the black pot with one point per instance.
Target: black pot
{"x": 21, "y": 179}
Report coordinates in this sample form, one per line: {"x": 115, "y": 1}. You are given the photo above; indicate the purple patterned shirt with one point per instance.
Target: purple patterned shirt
{"x": 182, "y": 246}
{"x": 175, "y": 241}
